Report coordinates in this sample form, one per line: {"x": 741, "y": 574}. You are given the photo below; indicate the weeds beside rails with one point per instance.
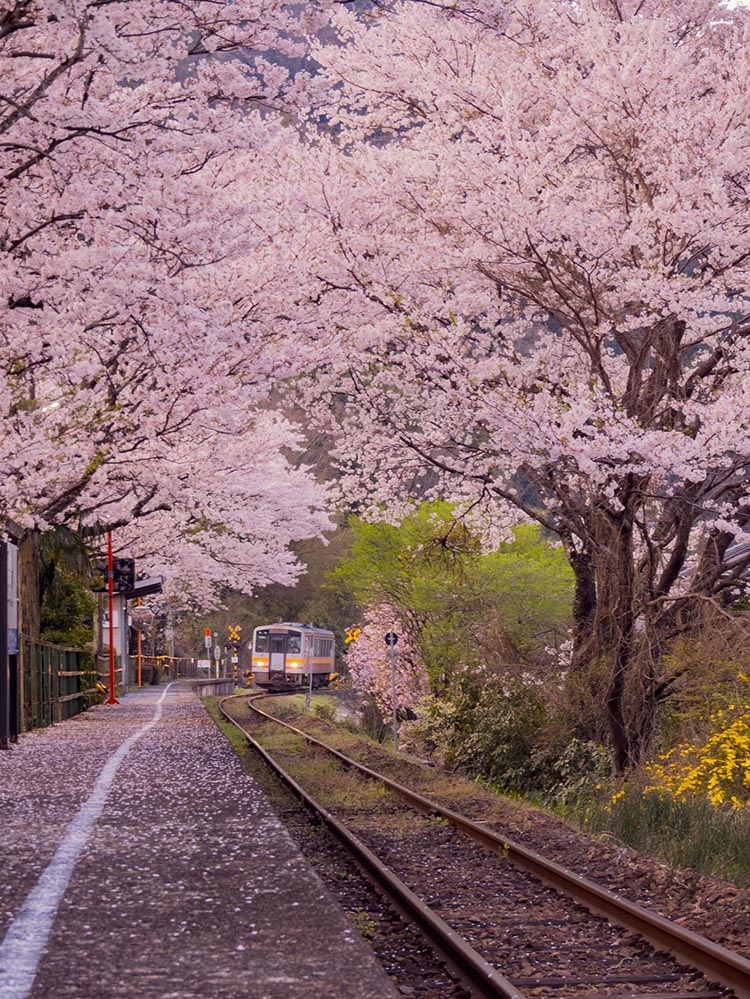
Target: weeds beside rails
{"x": 691, "y": 805}
{"x": 686, "y": 832}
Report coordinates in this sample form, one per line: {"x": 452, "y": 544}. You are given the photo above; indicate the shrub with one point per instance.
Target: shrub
{"x": 717, "y": 770}
{"x": 326, "y": 712}
{"x": 371, "y": 720}
{"x": 504, "y": 730}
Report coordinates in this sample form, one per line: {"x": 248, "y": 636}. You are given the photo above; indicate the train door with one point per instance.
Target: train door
{"x": 277, "y": 661}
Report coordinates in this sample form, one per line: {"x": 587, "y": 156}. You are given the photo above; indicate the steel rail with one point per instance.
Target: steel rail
{"x": 717, "y": 962}
{"x": 484, "y": 981}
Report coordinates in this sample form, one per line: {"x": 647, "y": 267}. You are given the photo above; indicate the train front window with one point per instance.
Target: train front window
{"x": 294, "y": 643}
{"x": 261, "y": 641}
{"x": 277, "y": 643}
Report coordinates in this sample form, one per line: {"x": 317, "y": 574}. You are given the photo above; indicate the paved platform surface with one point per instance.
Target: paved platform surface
{"x": 138, "y": 859}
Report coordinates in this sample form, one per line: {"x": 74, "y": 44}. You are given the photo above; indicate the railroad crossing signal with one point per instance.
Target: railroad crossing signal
{"x": 123, "y": 575}
{"x": 232, "y": 647}
{"x": 352, "y": 634}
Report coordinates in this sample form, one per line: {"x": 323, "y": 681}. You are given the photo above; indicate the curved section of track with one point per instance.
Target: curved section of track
{"x": 470, "y": 966}
{"x": 717, "y": 962}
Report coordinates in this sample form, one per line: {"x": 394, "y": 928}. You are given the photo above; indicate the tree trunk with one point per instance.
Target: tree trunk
{"x": 605, "y": 635}
{"x": 30, "y": 585}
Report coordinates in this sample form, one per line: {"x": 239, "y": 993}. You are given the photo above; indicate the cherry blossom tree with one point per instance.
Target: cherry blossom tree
{"x": 231, "y": 524}
{"x": 369, "y": 663}
{"x": 137, "y": 361}
{"x": 526, "y": 236}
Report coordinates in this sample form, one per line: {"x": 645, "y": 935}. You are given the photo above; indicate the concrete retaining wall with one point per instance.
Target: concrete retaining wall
{"x": 213, "y": 688}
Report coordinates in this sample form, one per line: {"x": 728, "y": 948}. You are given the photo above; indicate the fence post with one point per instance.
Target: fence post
{"x": 49, "y": 684}
{"x": 36, "y": 684}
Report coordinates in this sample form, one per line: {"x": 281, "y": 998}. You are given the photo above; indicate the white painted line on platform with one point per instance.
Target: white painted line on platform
{"x": 28, "y": 934}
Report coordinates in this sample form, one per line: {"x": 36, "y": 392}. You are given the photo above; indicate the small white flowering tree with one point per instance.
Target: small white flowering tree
{"x": 369, "y": 662}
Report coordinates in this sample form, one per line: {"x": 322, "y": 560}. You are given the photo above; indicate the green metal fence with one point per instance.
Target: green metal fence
{"x": 55, "y": 686}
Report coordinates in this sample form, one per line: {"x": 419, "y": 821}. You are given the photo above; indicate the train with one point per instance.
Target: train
{"x": 289, "y": 654}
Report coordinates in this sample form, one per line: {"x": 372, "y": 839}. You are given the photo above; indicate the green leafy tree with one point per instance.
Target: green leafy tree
{"x": 529, "y": 584}
{"x": 67, "y": 611}
{"x": 65, "y": 578}
{"x": 462, "y": 607}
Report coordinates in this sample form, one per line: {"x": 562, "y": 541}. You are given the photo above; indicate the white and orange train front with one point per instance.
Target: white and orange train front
{"x": 290, "y": 653}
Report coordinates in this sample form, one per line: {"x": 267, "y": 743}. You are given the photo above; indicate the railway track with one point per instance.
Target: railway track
{"x": 515, "y": 924}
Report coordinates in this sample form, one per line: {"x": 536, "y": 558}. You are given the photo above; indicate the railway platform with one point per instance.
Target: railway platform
{"x": 139, "y": 860}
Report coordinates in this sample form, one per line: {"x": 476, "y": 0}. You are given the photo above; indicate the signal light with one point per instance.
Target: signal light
{"x": 123, "y": 574}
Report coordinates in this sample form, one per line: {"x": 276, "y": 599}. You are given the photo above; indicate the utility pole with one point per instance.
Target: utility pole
{"x": 110, "y": 604}
{"x": 140, "y": 650}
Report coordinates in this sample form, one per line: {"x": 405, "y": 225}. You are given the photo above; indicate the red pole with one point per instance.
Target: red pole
{"x": 140, "y": 655}
{"x": 110, "y": 592}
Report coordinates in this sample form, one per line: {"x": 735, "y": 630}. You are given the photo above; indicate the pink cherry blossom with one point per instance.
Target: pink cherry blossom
{"x": 369, "y": 662}
{"x": 138, "y": 362}
{"x": 526, "y": 239}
